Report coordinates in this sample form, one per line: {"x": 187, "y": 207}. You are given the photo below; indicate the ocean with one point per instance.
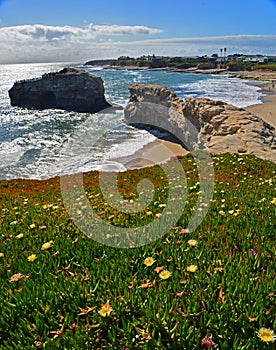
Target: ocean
{"x": 37, "y": 144}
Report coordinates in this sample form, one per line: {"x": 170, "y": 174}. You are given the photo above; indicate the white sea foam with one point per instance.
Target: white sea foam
{"x": 43, "y": 144}
{"x": 240, "y": 93}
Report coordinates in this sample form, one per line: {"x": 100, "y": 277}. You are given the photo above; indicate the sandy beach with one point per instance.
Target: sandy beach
{"x": 161, "y": 150}
{"x": 266, "y": 110}
{"x": 156, "y": 152}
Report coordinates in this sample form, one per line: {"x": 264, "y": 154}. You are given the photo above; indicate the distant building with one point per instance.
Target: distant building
{"x": 235, "y": 58}
{"x": 250, "y": 58}
{"x": 145, "y": 58}
{"x": 254, "y": 59}
{"x": 125, "y": 58}
{"x": 271, "y": 58}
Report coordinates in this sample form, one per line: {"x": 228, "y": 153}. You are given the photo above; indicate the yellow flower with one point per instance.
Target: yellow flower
{"x": 266, "y": 335}
{"x": 1, "y": 255}
{"x": 47, "y": 245}
{"x": 231, "y": 211}
{"x": 105, "y": 310}
{"x": 47, "y": 308}
{"x": 149, "y": 212}
{"x": 192, "y": 242}
{"x": 192, "y": 268}
{"x": 31, "y": 258}
{"x": 32, "y": 226}
{"x": 19, "y": 236}
{"x": 164, "y": 275}
{"x": 149, "y": 261}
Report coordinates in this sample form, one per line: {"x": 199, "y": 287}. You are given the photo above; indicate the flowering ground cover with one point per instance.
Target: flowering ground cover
{"x": 211, "y": 288}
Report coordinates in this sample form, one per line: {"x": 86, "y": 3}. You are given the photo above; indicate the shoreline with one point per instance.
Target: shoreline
{"x": 267, "y": 109}
{"x": 162, "y": 150}
{"x": 156, "y": 152}
{"x": 260, "y": 74}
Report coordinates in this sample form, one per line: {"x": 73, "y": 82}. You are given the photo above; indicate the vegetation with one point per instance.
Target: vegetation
{"x": 247, "y": 66}
{"x": 213, "y": 287}
{"x": 155, "y": 62}
{"x": 203, "y": 62}
{"x": 269, "y": 66}
{"x": 240, "y": 66}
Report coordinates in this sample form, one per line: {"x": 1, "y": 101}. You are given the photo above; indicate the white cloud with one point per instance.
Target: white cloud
{"x": 247, "y": 44}
{"x": 40, "y": 43}
{"x": 126, "y": 30}
{"x": 39, "y": 32}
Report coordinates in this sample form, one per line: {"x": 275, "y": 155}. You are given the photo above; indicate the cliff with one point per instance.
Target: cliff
{"x": 201, "y": 122}
{"x": 69, "y": 89}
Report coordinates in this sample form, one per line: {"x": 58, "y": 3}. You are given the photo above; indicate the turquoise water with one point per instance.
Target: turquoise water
{"x": 38, "y": 144}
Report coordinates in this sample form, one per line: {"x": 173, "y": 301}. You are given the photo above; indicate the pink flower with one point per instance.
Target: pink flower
{"x": 16, "y": 277}
{"x": 185, "y": 230}
{"x": 252, "y": 252}
{"x": 207, "y": 342}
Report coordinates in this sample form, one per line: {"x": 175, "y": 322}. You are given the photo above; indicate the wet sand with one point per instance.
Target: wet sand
{"x": 157, "y": 152}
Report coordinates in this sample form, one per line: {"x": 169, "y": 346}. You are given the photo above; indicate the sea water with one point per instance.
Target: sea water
{"x": 42, "y": 144}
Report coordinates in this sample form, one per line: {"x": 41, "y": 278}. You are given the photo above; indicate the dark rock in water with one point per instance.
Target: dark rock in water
{"x": 69, "y": 89}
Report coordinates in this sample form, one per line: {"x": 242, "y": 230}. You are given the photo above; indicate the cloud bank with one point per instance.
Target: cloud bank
{"x": 39, "y": 32}
{"x": 41, "y": 43}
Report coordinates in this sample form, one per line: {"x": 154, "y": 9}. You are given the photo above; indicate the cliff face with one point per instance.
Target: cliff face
{"x": 69, "y": 89}
{"x": 201, "y": 122}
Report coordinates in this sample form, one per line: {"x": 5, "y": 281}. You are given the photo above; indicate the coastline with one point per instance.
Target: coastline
{"x": 161, "y": 150}
{"x": 255, "y": 75}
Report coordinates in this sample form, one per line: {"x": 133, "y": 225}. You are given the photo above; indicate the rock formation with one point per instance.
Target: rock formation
{"x": 69, "y": 89}
{"x": 200, "y": 122}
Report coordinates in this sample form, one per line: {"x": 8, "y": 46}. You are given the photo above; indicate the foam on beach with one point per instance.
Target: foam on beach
{"x": 31, "y": 140}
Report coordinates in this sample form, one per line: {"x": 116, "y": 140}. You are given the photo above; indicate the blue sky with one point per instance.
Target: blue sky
{"x": 79, "y": 30}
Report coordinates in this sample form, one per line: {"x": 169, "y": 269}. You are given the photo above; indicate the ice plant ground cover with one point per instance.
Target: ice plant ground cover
{"x": 62, "y": 290}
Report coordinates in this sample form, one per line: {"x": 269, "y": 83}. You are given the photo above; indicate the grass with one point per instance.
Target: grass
{"x": 269, "y": 66}
{"x": 55, "y": 300}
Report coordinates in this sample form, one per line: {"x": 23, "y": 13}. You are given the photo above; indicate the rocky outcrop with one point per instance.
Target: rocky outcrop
{"x": 69, "y": 89}
{"x": 201, "y": 122}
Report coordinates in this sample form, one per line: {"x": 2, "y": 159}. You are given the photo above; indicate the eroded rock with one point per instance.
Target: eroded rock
{"x": 201, "y": 122}
{"x": 69, "y": 89}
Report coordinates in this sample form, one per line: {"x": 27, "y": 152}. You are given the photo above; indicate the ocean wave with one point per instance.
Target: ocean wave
{"x": 39, "y": 144}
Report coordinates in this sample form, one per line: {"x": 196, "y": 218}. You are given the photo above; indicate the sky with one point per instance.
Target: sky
{"x": 80, "y": 30}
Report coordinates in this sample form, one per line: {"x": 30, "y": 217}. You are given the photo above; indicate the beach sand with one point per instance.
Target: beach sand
{"x": 161, "y": 150}
{"x": 266, "y": 110}
{"x": 157, "y": 152}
